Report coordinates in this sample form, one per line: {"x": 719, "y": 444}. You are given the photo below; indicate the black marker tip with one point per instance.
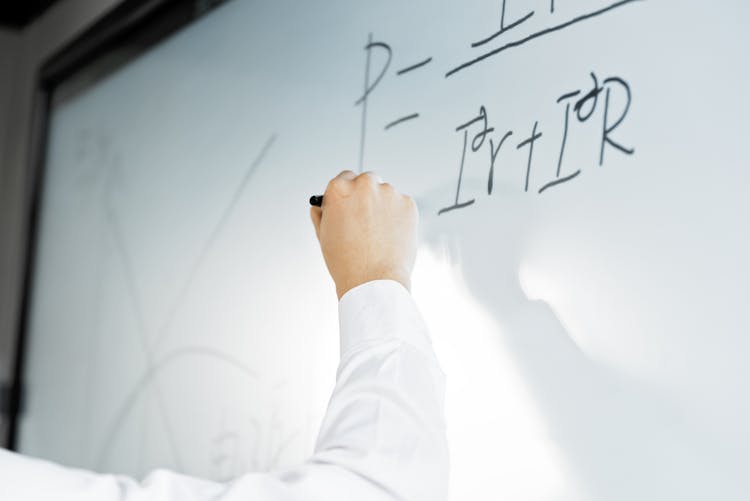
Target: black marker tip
{"x": 316, "y": 200}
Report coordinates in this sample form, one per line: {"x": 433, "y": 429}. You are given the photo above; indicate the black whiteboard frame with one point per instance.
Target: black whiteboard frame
{"x": 130, "y": 28}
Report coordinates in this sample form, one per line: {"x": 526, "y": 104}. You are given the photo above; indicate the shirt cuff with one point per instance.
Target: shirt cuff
{"x": 381, "y": 310}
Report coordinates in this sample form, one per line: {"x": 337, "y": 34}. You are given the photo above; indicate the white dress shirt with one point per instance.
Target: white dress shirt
{"x": 382, "y": 437}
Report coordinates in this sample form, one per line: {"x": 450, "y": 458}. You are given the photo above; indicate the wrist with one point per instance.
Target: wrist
{"x": 402, "y": 277}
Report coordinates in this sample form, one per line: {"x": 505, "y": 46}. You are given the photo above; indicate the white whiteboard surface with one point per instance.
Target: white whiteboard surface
{"x": 595, "y": 335}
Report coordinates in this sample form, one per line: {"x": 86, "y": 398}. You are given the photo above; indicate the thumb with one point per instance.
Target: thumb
{"x": 316, "y": 214}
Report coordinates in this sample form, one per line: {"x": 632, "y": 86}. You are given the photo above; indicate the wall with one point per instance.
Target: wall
{"x": 21, "y": 55}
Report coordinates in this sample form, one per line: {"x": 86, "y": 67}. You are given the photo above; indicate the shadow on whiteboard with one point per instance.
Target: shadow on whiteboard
{"x": 581, "y": 428}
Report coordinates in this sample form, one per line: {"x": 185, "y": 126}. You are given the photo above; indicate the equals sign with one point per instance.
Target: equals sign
{"x": 403, "y": 71}
{"x": 414, "y": 66}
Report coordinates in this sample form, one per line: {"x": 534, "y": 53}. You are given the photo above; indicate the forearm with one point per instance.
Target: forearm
{"x": 385, "y": 421}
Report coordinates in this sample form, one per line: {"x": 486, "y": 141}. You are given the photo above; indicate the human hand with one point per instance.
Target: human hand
{"x": 367, "y": 231}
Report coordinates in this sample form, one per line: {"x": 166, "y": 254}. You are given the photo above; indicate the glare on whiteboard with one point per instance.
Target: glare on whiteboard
{"x": 499, "y": 444}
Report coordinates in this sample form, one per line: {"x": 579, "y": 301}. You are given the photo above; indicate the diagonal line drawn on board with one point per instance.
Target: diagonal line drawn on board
{"x": 164, "y": 329}
{"x": 126, "y": 261}
{"x": 123, "y": 253}
{"x": 150, "y": 377}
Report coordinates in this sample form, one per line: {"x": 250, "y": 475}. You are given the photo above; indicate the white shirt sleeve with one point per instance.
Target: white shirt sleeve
{"x": 382, "y": 438}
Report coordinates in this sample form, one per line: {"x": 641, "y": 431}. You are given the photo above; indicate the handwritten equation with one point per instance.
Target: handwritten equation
{"x": 478, "y": 132}
{"x": 583, "y": 106}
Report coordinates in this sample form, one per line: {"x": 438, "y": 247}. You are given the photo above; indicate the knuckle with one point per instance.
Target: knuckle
{"x": 346, "y": 174}
{"x": 337, "y": 185}
{"x": 341, "y": 184}
{"x": 367, "y": 178}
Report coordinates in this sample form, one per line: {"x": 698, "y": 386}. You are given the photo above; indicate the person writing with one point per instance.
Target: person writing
{"x": 383, "y": 435}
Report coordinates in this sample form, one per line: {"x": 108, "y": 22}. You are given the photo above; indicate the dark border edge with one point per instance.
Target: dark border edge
{"x": 140, "y": 22}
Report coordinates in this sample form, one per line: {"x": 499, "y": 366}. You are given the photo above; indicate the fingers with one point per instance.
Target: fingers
{"x": 316, "y": 214}
{"x": 412, "y": 204}
{"x": 347, "y": 182}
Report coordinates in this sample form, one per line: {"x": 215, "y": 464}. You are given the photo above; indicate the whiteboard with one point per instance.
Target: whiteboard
{"x": 580, "y": 170}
